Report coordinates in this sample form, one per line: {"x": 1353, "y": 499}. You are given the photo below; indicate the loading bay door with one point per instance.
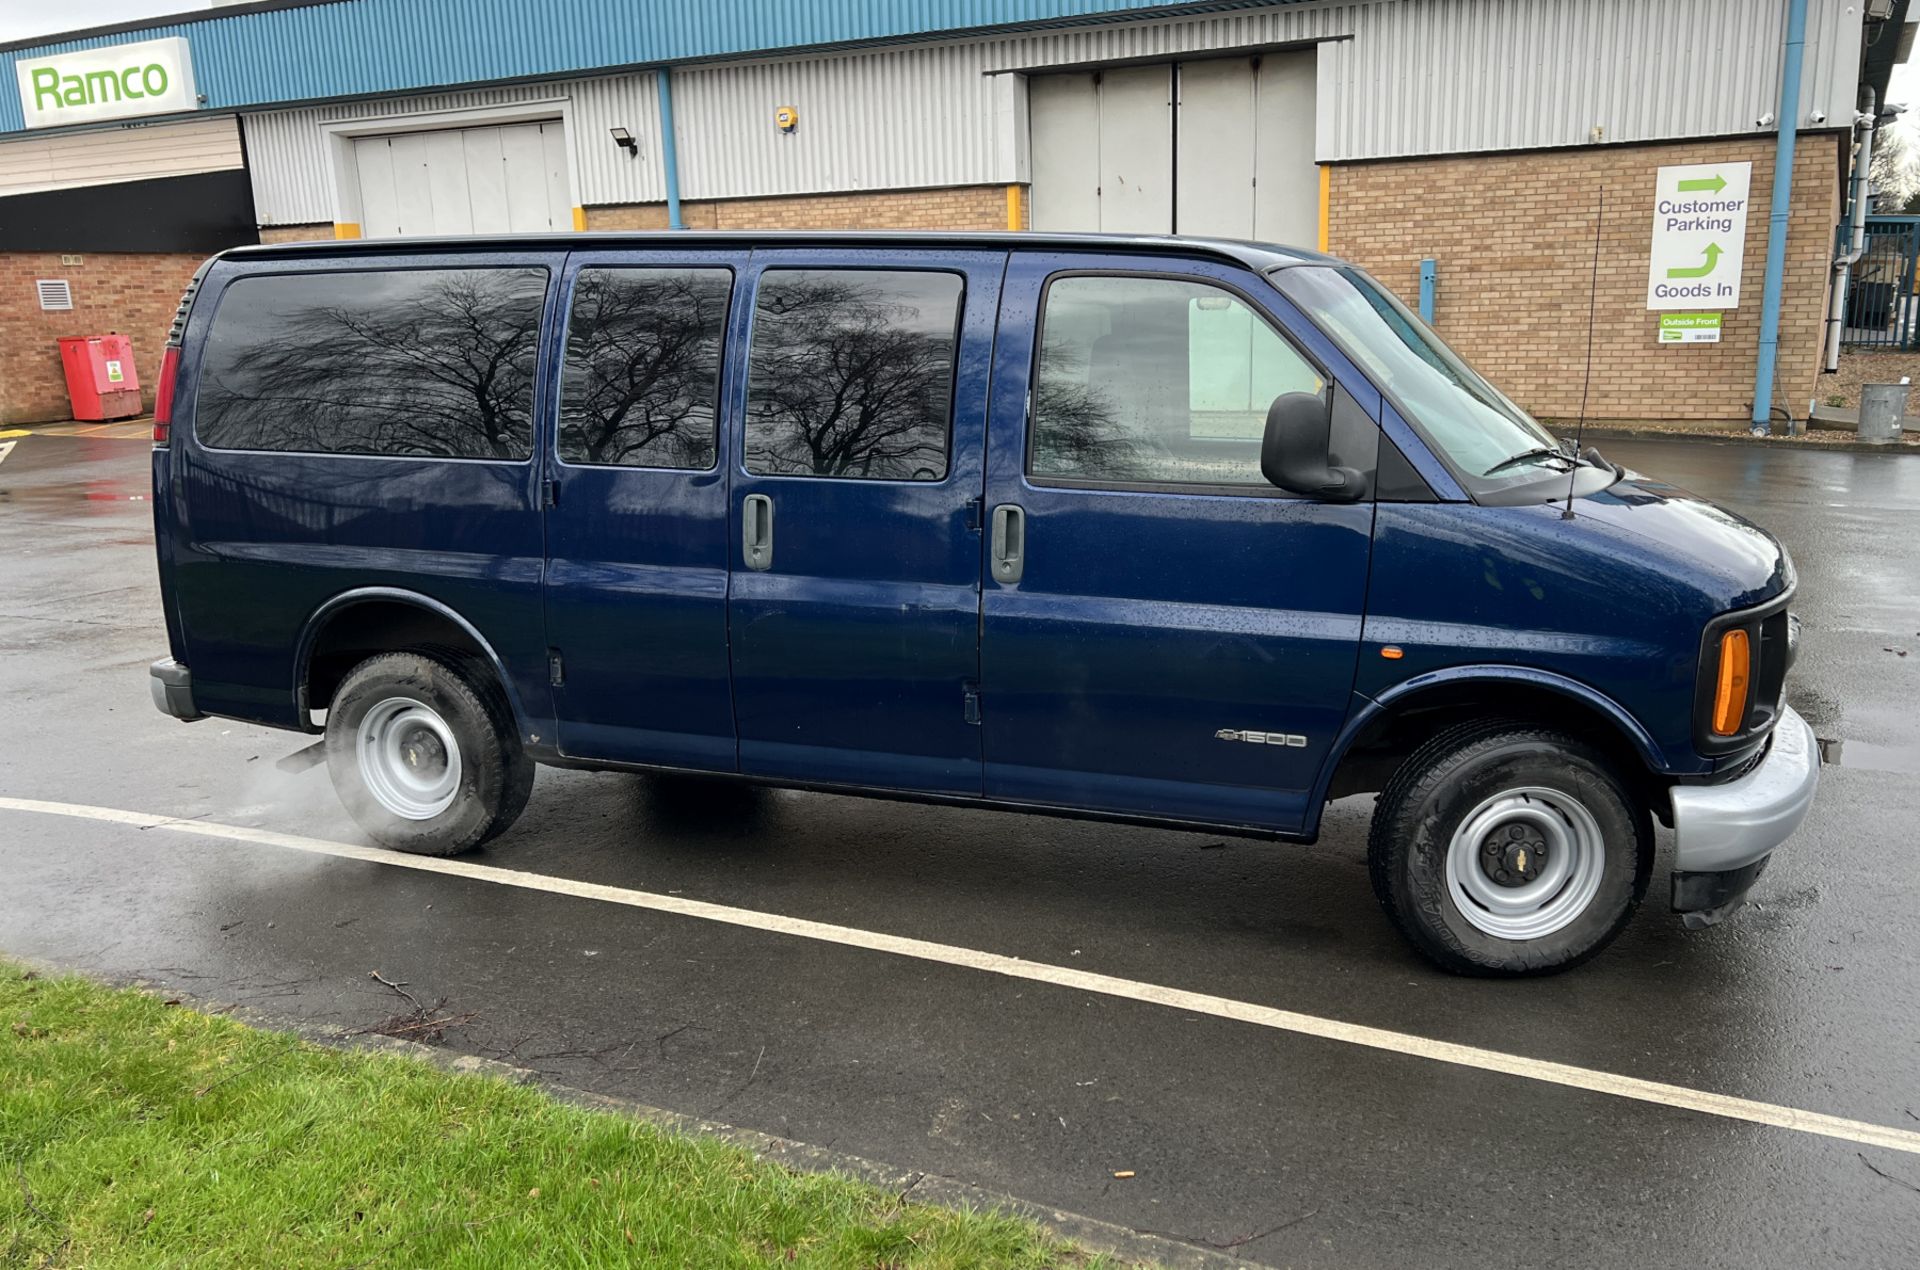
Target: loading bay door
{"x": 491, "y": 180}
{"x": 1221, "y": 147}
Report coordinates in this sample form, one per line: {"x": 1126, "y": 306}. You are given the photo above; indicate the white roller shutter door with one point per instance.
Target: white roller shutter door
{"x": 490, "y": 180}
{"x": 1221, "y": 147}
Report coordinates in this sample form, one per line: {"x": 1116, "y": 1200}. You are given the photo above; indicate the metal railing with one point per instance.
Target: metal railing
{"x": 1883, "y": 309}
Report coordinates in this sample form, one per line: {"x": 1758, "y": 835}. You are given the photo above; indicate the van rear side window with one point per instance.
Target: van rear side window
{"x": 851, "y": 374}
{"x": 423, "y": 363}
{"x": 642, "y": 381}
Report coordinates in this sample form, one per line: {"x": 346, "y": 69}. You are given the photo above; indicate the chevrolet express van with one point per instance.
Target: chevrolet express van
{"x": 1162, "y": 530}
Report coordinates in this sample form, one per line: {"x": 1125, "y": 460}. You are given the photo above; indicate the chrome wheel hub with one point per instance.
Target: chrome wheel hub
{"x": 408, "y": 758}
{"x": 1525, "y": 863}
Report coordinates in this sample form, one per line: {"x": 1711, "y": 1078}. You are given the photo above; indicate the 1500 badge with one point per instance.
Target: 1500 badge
{"x": 1291, "y": 739}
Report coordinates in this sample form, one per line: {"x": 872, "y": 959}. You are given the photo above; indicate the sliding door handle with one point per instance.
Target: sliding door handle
{"x": 1009, "y": 543}
{"x": 756, "y": 531}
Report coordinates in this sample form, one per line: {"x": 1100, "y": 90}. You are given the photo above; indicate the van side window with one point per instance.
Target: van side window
{"x": 641, "y": 385}
{"x": 428, "y": 363}
{"x": 851, "y": 374}
{"x": 1156, "y": 381}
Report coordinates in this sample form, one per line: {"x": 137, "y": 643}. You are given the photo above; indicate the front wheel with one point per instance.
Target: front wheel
{"x": 425, "y": 760}
{"x": 1500, "y": 849}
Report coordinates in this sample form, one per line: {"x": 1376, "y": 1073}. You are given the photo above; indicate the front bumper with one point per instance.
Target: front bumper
{"x": 1723, "y": 834}
{"x": 172, "y": 686}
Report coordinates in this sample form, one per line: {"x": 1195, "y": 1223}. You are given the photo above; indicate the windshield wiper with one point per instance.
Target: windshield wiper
{"x": 1528, "y": 456}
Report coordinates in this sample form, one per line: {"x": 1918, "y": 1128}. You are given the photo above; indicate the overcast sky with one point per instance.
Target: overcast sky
{"x": 23, "y": 19}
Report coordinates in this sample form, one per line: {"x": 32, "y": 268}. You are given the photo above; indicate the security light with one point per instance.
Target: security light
{"x": 624, "y": 139}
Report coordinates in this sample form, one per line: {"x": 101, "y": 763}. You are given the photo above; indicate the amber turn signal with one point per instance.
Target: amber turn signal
{"x": 1730, "y": 692}
{"x": 1391, "y": 653}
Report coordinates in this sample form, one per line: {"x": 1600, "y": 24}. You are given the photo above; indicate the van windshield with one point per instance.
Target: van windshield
{"x": 1482, "y": 433}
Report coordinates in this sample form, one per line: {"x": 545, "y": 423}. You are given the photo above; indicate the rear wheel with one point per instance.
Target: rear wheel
{"x": 1500, "y": 849}
{"x": 425, "y": 759}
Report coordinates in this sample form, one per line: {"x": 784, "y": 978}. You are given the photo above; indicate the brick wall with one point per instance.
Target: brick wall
{"x": 297, "y": 233}
{"x": 134, "y": 294}
{"x": 960, "y": 207}
{"x": 1513, "y": 235}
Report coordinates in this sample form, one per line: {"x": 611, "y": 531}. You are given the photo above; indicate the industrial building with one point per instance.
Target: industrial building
{"x": 1471, "y": 153}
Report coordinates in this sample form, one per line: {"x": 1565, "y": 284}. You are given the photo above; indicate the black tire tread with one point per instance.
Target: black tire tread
{"x": 486, "y": 686}
{"x": 1420, "y": 775}
{"x": 499, "y": 740}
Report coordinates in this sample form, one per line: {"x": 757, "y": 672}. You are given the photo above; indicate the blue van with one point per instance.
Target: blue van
{"x": 1162, "y": 530}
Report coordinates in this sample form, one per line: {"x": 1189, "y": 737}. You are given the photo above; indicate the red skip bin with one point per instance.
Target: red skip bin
{"x": 101, "y": 380}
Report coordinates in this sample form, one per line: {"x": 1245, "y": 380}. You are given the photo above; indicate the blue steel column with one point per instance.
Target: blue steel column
{"x": 1789, "y": 116}
{"x": 669, "y": 149}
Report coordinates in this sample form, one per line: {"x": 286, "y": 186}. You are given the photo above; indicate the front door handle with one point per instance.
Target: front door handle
{"x": 1009, "y": 543}
{"x": 756, "y": 531}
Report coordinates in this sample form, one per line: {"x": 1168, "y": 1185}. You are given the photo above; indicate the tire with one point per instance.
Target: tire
{"x": 1505, "y": 849}
{"x": 426, "y": 757}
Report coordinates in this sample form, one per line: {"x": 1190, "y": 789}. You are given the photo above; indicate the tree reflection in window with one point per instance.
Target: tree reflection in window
{"x": 851, "y": 374}
{"x": 431, "y": 363}
{"x": 642, "y": 372}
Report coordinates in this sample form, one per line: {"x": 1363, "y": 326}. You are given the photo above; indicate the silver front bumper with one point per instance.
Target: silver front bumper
{"x": 1719, "y": 828}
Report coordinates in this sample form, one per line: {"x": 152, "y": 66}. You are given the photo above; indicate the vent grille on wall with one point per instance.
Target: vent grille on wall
{"x": 55, "y": 295}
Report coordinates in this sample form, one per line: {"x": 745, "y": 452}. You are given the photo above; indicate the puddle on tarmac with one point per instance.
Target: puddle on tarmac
{"x": 104, "y": 491}
{"x": 1840, "y": 752}
{"x": 1827, "y": 717}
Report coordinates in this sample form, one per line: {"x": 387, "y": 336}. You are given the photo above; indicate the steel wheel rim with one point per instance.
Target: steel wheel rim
{"x": 1575, "y": 851}
{"x": 408, "y": 758}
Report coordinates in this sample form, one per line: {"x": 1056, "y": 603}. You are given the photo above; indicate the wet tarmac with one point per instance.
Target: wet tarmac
{"x": 1294, "y": 1150}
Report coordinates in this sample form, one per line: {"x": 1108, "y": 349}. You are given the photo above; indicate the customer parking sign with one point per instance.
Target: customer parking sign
{"x": 1699, "y": 236}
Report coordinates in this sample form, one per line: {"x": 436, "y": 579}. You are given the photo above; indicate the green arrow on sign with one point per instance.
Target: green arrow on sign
{"x": 1699, "y": 271}
{"x": 1712, "y": 184}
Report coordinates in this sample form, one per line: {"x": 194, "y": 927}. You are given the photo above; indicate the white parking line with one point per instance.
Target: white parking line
{"x": 1486, "y": 1060}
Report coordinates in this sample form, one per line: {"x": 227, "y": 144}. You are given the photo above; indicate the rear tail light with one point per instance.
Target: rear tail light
{"x": 1730, "y": 685}
{"x": 163, "y": 397}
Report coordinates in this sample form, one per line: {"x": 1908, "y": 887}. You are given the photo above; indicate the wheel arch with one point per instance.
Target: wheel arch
{"x": 1382, "y": 731}
{"x": 390, "y": 619}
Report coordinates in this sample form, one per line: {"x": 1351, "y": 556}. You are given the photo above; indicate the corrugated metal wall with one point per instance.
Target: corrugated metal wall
{"x": 918, "y": 116}
{"x": 1457, "y": 76}
{"x": 292, "y": 182}
{"x": 602, "y": 172}
{"x": 1467, "y": 75}
{"x": 64, "y": 160}
{"x": 1397, "y": 78}
{"x": 363, "y": 47}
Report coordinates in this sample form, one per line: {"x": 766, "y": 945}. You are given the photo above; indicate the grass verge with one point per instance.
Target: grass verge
{"x": 134, "y": 1133}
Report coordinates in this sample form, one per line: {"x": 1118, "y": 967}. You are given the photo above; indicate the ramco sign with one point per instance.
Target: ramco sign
{"x": 154, "y": 77}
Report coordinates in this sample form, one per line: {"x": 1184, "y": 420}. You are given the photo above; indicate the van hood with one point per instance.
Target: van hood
{"x": 1749, "y": 562}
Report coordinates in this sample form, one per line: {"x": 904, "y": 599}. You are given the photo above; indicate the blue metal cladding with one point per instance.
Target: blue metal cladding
{"x": 351, "y": 48}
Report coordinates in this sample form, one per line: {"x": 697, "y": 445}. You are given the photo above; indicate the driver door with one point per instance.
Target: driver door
{"x": 1163, "y": 632}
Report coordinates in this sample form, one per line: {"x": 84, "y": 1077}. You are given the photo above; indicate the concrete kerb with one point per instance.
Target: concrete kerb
{"x": 1847, "y": 419}
{"x": 1131, "y": 1247}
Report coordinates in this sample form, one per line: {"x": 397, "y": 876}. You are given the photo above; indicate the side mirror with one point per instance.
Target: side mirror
{"x": 1295, "y": 450}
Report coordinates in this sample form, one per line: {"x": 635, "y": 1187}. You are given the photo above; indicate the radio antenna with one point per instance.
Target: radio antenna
{"x": 1593, "y": 299}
